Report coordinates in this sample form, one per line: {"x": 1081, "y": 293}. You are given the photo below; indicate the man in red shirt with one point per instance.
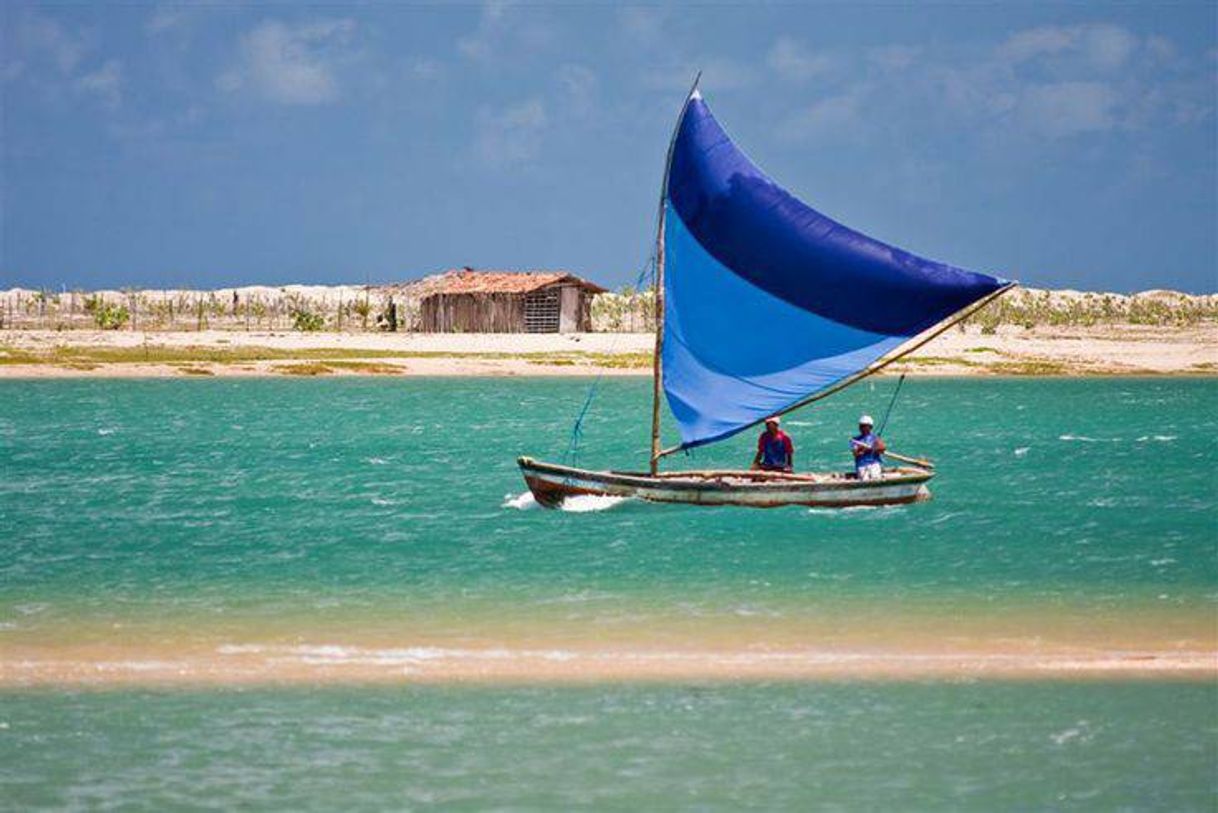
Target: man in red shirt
{"x": 774, "y": 449}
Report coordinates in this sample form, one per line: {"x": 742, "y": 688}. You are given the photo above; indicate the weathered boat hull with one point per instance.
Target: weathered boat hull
{"x": 552, "y": 483}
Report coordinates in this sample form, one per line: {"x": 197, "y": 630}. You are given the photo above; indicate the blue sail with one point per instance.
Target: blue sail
{"x": 768, "y": 301}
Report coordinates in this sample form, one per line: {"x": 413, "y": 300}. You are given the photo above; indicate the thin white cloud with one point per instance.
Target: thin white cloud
{"x": 41, "y": 37}
{"x": 895, "y": 57}
{"x": 166, "y": 18}
{"x": 793, "y": 61}
{"x": 181, "y": 19}
{"x": 1069, "y": 108}
{"x": 578, "y": 88}
{"x": 511, "y": 136}
{"x": 1160, "y": 49}
{"x": 1037, "y": 42}
{"x": 505, "y": 30}
{"x": 1101, "y": 46}
{"x": 1041, "y": 84}
{"x": 721, "y": 73}
{"x": 104, "y": 84}
{"x": 642, "y": 25}
{"x": 831, "y": 118}
{"x": 55, "y": 58}
{"x": 1108, "y": 47}
{"x": 478, "y": 44}
{"x": 426, "y": 69}
{"x": 291, "y": 64}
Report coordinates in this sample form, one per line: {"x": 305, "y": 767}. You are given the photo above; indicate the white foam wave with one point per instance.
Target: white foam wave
{"x": 582, "y": 503}
{"x": 521, "y": 502}
{"x": 421, "y": 658}
{"x": 239, "y": 649}
{"x": 1022, "y": 451}
{"x": 847, "y": 509}
{"x": 337, "y": 655}
{"x": 138, "y": 666}
{"x": 1078, "y": 732}
{"x": 376, "y": 461}
{"x": 578, "y": 504}
{"x": 1159, "y": 438}
{"x": 1085, "y": 439}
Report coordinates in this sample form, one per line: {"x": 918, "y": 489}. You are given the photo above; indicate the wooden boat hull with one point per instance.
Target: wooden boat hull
{"x": 552, "y": 483}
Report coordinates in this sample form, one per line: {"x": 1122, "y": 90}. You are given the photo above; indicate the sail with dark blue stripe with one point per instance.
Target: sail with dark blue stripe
{"x": 768, "y": 301}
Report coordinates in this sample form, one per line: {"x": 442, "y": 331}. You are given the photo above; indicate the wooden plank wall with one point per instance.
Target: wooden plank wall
{"x": 496, "y": 313}
{"x": 473, "y": 313}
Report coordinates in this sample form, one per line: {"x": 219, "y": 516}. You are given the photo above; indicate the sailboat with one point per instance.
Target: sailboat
{"x": 763, "y": 306}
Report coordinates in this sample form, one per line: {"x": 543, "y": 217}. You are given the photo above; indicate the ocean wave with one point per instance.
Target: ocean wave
{"x": 578, "y": 504}
{"x": 346, "y": 655}
{"x": 340, "y": 655}
{"x": 847, "y": 510}
{"x": 521, "y": 502}
{"x": 583, "y": 503}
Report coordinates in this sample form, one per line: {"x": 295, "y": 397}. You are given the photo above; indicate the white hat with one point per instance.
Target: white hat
{"x": 772, "y": 419}
{"x": 866, "y": 419}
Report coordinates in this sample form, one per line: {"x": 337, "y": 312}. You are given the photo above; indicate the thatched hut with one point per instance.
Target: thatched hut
{"x": 469, "y": 301}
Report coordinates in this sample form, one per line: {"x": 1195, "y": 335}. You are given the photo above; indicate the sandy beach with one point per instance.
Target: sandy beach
{"x": 1009, "y": 350}
{"x": 328, "y": 663}
{"x": 874, "y": 641}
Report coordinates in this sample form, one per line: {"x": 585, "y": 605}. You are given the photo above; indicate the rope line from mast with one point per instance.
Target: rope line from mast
{"x": 571, "y": 455}
{"x": 888, "y": 412}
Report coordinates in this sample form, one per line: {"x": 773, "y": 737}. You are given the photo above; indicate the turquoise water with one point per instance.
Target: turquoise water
{"x": 765, "y": 747}
{"x": 211, "y": 495}
{"x": 388, "y": 512}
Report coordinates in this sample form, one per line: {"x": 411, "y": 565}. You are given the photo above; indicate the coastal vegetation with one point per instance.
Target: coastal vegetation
{"x": 106, "y": 315}
{"x": 348, "y": 309}
{"x": 263, "y": 331}
{"x": 1030, "y": 308}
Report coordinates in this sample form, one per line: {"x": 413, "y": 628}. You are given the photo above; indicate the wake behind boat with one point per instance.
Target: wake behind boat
{"x": 763, "y": 306}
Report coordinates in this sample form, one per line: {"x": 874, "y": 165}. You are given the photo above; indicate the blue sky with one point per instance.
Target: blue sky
{"x": 216, "y": 144}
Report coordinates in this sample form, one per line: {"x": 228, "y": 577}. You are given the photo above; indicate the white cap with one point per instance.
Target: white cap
{"x": 866, "y": 419}
{"x": 772, "y": 419}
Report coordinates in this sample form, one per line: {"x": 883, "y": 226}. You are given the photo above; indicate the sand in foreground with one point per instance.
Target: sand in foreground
{"x": 329, "y": 663}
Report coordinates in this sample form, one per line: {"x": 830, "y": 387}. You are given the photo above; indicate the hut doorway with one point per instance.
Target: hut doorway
{"x": 541, "y": 311}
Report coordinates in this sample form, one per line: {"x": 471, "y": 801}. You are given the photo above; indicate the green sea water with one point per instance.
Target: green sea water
{"x": 389, "y": 513}
{"x": 986, "y": 747}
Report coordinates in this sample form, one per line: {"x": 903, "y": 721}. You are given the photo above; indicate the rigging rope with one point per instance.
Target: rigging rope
{"x": 577, "y": 429}
{"x": 888, "y": 412}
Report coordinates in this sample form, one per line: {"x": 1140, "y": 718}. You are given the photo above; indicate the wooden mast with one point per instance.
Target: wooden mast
{"x": 656, "y": 371}
{"x": 656, "y": 363}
